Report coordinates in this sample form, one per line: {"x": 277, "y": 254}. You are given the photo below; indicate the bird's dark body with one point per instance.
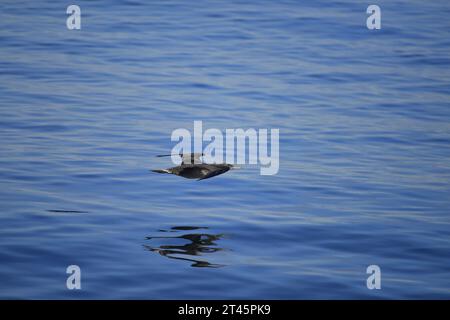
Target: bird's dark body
{"x": 197, "y": 171}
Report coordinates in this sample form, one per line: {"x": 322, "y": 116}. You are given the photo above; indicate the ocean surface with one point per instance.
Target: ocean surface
{"x": 364, "y": 119}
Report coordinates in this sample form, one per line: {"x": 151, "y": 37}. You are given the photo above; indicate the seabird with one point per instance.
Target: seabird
{"x": 192, "y": 168}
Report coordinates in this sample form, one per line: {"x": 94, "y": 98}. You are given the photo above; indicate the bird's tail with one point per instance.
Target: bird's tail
{"x": 161, "y": 171}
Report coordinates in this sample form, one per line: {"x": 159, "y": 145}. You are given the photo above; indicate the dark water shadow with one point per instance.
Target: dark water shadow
{"x": 198, "y": 244}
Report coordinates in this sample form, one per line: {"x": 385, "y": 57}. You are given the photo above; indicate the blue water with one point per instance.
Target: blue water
{"x": 364, "y": 149}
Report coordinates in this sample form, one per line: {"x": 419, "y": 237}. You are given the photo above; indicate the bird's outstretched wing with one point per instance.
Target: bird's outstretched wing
{"x": 161, "y": 171}
{"x": 187, "y": 158}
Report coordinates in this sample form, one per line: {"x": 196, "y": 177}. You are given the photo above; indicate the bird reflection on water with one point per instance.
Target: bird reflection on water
{"x": 199, "y": 244}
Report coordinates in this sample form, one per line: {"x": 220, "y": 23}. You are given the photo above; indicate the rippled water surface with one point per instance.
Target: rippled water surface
{"x": 364, "y": 149}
